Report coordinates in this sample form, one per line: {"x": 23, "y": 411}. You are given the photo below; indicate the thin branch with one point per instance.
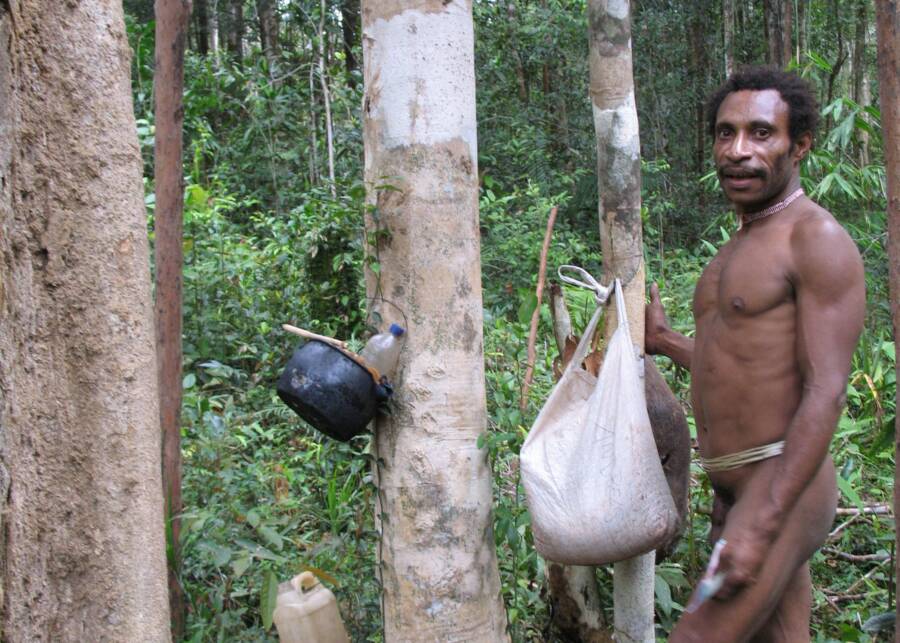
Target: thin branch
{"x": 854, "y": 558}
{"x": 880, "y": 509}
{"x": 535, "y": 316}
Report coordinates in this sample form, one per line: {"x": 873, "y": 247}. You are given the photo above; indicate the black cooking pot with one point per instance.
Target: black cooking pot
{"x": 330, "y": 390}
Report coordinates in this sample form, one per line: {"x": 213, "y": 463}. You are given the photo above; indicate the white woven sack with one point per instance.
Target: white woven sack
{"x": 593, "y": 481}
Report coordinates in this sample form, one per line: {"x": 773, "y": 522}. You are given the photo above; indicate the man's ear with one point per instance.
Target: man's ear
{"x": 802, "y": 145}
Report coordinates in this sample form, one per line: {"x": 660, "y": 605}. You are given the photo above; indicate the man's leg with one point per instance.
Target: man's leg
{"x": 782, "y": 589}
{"x": 789, "y": 622}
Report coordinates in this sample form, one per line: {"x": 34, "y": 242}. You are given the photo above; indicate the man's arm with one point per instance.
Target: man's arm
{"x": 829, "y": 286}
{"x": 660, "y": 339}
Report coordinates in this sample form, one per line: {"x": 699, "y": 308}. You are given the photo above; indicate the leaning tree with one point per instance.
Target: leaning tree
{"x": 83, "y": 542}
{"x": 438, "y": 563}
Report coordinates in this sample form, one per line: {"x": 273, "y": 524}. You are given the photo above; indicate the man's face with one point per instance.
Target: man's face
{"x": 754, "y": 156}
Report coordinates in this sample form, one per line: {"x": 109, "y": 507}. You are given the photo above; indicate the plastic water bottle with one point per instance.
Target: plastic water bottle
{"x": 382, "y": 350}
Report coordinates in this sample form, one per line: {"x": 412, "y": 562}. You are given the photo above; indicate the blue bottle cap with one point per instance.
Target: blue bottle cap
{"x": 396, "y": 330}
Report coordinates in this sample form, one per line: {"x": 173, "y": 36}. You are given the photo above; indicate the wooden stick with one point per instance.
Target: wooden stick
{"x": 309, "y": 335}
{"x": 535, "y": 316}
{"x": 854, "y": 558}
{"x": 880, "y": 509}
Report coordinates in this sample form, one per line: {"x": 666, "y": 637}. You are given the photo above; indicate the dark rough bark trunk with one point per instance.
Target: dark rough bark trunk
{"x": 201, "y": 17}
{"x": 521, "y": 74}
{"x": 172, "y": 18}
{"x": 802, "y": 14}
{"x": 82, "y": 531}
{"x": 234, "y": 32}
{"x": 350, "y": 32}
{"x": 268, "y": 30}
{"x": 778, "y": 31}
{"x": 888, "y": 29}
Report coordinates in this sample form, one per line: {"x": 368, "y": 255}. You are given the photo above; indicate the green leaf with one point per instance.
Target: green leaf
{"x": 271, "y": 536}
{"x": 240, "y": 565}
{"x": 189, "y": 380}
{"x": 663, "y": 594}
{"x": 253, "y": 518}
{"x": 268, "y": 596}
{"x": 848, "y": 491}
{"x": 526, "y": 308}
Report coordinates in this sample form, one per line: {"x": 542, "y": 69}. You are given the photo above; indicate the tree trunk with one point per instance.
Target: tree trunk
{"x": 268, "y": 31}
{"x": 619, "y": 182}
{"x": 172, "y": 18}
{"x": 82, "y": 535}
{"x": 728, "y": 31}
{"x": 521, "y": 75}
{"x": 802, "y": 15}
{"x": 438, "y": 562}
{"x": 777, "y": 14}
{"x": 888, "y": 30}
{"x": 201, "y": 17}
{"x": 858, "y": 59}
{"x": 214, "y": 27}
{"x": 234, "y": 34}
{"x": 350, "y": 32}
{"x": 326, "y": 98}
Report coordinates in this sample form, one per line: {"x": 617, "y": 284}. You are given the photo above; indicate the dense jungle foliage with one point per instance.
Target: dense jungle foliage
{"x": 269, "y": 238}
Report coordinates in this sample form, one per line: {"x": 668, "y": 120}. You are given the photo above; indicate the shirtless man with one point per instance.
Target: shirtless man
{"x": 778, "y": 312}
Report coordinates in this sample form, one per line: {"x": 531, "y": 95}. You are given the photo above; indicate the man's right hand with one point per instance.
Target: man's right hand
{"x": 656, "y": 325}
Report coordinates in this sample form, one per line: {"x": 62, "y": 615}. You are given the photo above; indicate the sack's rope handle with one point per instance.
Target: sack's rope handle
{"x": 601, "y": 292}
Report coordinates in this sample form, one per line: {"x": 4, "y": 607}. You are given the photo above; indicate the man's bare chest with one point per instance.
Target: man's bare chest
{"x": 747, "y": 278}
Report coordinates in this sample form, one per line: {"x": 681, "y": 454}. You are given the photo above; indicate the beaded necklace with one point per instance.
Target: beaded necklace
{"x": 772, "y": 209}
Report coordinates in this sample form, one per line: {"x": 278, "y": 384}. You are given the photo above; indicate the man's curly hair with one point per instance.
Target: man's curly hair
{"x": 803, "y": 111}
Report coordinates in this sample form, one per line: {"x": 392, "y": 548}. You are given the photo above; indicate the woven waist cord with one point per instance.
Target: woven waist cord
{"x": 739, "y": 459}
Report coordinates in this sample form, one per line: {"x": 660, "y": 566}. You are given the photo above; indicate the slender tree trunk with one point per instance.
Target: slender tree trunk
{"x": 172, "y": 19}
{"x": 521, "y": 76}
{"x": 313, "y": 130}
{"x": 728, "y": 31}
{"x": 438, "y": 562}
{"x": 787, "y": 31}
{"x": 201, "y": 17}
{"x": 619, "y": 182}
{"x": 350, "y": 31}
{"x": 858, "y": 59}
{"x": 82, "y": 530}
{"x": 802, "y": 14}
{"x": 778, "y": 31}
{"x": 234, "y": 34}
{"x": 326, "y": 98}
{"x": 214, "y": 27}
{"x": 268, "y": 31}
{"x": 888, "y": 31}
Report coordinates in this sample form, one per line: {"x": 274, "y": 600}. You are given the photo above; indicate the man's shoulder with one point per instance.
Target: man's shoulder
{"x": 821, "y": 245}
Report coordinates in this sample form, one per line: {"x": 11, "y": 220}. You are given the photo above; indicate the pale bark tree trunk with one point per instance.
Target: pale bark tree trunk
{"x": 438, "y": 562}
{"x": 888, "y": 33}
{"x": 82, "y": 518}
{"x": 172, "y": 17}
{"x": 728, "y": 31}
{"x": 326, "y": 98}
{"x": 802, "y": 23}
{"x": 214, "y": 27}
{"x": 858, "y": 58}
{"x": 619, "y": 179}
